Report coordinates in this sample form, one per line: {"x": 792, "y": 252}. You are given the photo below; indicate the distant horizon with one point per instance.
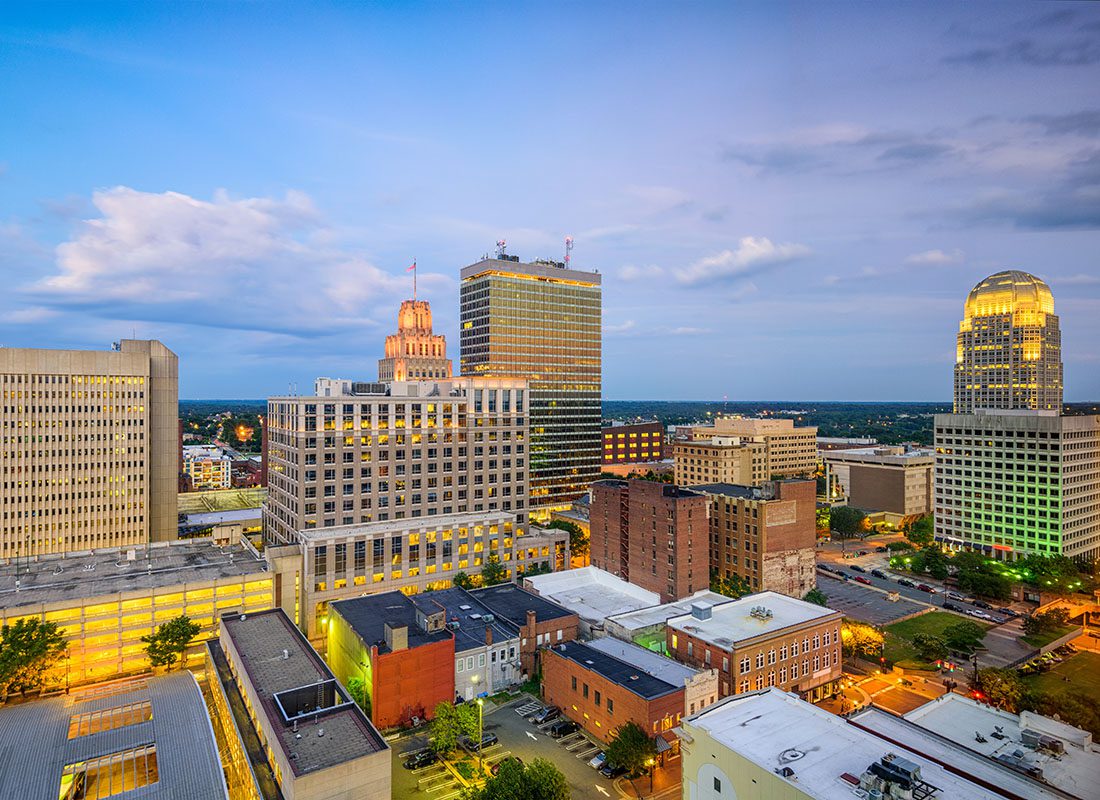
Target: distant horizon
{"x": 650, "y": 400}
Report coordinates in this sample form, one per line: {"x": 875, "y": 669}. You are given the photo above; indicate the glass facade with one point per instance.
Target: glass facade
{"x": 542, "y": 322}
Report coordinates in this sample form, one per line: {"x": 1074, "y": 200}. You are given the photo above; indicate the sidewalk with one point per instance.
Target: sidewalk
{"x": 666, "y": 783}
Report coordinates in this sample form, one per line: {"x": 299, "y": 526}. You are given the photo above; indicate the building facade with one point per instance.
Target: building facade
{"x": 720, "y": 459}
{"x": 396, "y": 451}
{"x": 1008, "y": 352}
{"x": 762, "y": 640}
{"x": 790, "y": 451}
{"x": 89, "y": 448}
{"x": 651, "y": 534}
{"x": 1010, "y": 483}
{"x": 207, "y": 467}
{"x": 897, "y": 480}
{"x": 541, "y": 322}
{"x": 766, "y": 535}
{"x": 541, "y": 623}
{"x": 633, "y": 443}
{"x": 414, "y": 353}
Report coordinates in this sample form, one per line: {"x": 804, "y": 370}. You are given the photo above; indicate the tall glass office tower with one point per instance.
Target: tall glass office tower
{"x": 541, "y": 321}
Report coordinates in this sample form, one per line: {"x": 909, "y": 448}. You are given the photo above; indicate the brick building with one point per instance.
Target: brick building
{"x": 765, "y": 534}
{"x": 761, "y": 640}
{"x": 651, "y": 534}
{"x": 541, "y": 623}
{"x": 633, "y": 443}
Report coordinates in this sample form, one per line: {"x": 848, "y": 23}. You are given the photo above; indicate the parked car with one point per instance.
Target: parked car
{"x": 952, "y": 607}
{"x": 1008, "y": 612}
{"x": 857, "y": 568}
{"x": 598, "y": 760}
{"x": 958, "y": 596}
{"x": 487, "y": 740}
{"x": 861, "y": 579}
{"x": 974, "y": 612}
{"x": 878, "y": 573}
{"x": 609, "y": 771}
{"x": 982, "y": 604}
{"x": 924, "y": 587}
{"x": 905, "y": 582}
{"x": 545, "y": 714}
{"x": 496, "y": 767}
{"x": 882, "y": 549}
{"x": 863, "y": 552}
{"x": 563, "y": 727}
{"x": 421, "y": 758}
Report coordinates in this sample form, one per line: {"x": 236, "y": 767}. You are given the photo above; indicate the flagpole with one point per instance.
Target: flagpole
{"x": 414, "y": 279}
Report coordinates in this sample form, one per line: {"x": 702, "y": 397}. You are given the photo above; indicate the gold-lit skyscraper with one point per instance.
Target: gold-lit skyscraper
{"x": 1009, "y": 350}
{"x": 541, "y": 321}
{"x": 415, "y": 353}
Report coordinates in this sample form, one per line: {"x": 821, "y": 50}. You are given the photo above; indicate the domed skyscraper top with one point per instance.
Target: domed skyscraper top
{"x": 1009, "y": 347}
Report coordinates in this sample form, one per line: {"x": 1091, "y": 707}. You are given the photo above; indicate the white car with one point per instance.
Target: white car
{"x": 973, "y": 612}
{"x": 598, "y": 760}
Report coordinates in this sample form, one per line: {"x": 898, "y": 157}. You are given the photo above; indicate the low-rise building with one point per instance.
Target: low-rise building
{"x": 541, "y": 622}
{"x": 766, "y": 535}
{"x": 762, "y": 640}
{"x": 592, "y": 594}
{"x": 896, "y": 480}
{"x": 402, "y": 651}
{"x": 719, "y": 459}
{"x": 790, "y": 450}
{"x": 277, "y": 692}
{"x": 147, "y": 737}
{"x": 646, "y": 626}
{"x": 700, "y": 685}
{"x": 208, "y": 467}
{"x": 633, "y": 442}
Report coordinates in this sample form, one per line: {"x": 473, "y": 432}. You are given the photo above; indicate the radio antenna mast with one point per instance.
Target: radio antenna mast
{"x": 501, "y": 245}
{"x": 568, "y": 250}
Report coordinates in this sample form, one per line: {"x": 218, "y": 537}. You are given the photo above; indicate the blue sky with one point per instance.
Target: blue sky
{"x": 786, "y": 201}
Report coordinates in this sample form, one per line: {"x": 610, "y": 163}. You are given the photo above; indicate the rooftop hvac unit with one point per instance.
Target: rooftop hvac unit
{"x": 488, "y": 619}
{"x": 701, "y": 610}
{"x": 760, "y": 612}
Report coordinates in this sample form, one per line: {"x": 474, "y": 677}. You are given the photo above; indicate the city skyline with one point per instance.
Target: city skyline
{"x": 784, "y": 201}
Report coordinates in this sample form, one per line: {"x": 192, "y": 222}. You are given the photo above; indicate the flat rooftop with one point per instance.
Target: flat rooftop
{"x": 368, "y": 615}
{"x": 660, "y": 614}
{"x": 93, "y": 573}
{"x": 35, "y": 748}
{"x": 651, "y": 663}
{"x": 776, "y": 730}
{"x": 592, "y": 593}
{"x": 537, "y": 269}
{"x": 433, "y": 522}
{"x": 621, "y": 673}
{"x": 734, "y": 622}
{"x": 471, "y": 615}
{"x": 883, "y": 455}
{"x": 221, "y": 517}
{"x": 275, "y": 657}
{"x": 511, "y": 602}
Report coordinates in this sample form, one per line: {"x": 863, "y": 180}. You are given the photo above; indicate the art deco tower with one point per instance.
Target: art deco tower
{"x": 1009, "y": 353}
{"x": 414, "y": 353}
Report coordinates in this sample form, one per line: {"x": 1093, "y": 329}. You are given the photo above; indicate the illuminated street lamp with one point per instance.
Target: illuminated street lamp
{"x": 650, "y": 763}
{"x": 480, "y": 732}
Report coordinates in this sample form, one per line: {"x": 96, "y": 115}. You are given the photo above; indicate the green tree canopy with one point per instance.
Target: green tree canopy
{"x": 1045, "y": 621}
{"x": 733, "y": 586}
{"x": 167, "y": 644}
{"x": 29, "y": 649}
{"x": 630, "y": 748}
{"x": 816, "y": 596}
{"x": 578, "y": 539}
{"x": 462, "y": 580}
{"x": 451, "y": 723}
{"x": 539, "y": 780}
{"x": 930, "y": 647}
{"x": 1000, "y": 687}
{"x": 964, "y": 635}
{"x": 847, "y": 521}
{"x": 861, "y": 639}
{"x": 493, "y": 572}
{"x": 921, "y": 531}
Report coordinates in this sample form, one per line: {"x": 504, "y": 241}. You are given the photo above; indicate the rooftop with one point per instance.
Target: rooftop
{"x": 512, "y": 265}
{"x": 220, "y": 500}
{"x": 78, "y": 576}
{"x": 511, "y": 602}
{"x": 619, "y": 672}
{"x": 884, "y": 455}
{"x": 220, "y": 517}
{"x": 660, "y": 614}
{"x": 277, "y": 659}
{"x": 652, "y": 663}
{"x": 592, "y": 593}
{"x": 433, "y": 522}
{"x": 472, "y": 617}
{"x": 776, "y": 731}
{"x": 369, "y": 615}
{"x": 35, "y": 748}
{"x": 734, "y": 621}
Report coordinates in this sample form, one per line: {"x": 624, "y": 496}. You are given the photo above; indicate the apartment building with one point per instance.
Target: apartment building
{"x": 896, "y": 480}
{"x": 381, "y": 452}
{"x": 719, "y": 459}
{"x": 207, "y": 467}
{"x": 790, "y": 451}
{"x": 633, "y": 442}
{"x": 89, "y": 448}
{"x": 651, "y": 534}
{"x": 762, "y": 640}
{"x": 765, "y": 534}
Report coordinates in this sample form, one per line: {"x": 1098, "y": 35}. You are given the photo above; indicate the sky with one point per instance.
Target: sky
{"x": 785, "y": 200}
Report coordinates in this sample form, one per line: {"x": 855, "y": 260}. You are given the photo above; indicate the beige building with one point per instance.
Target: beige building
{"x": 789, "y": 451}
{"x": 396, "y": 451}
{"x": 896, "y": 480}
{"x": 208, "y": 467}
{"x": 719, "y": 459}
{"x": 1008, "y": 352}
{"x": 89, "y": 448}
{"x": 414, "y": 352}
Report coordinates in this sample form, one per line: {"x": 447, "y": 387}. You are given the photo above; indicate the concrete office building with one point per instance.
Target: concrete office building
{"x": 311, "y": 737}
{"x": 789, "y": 451}
{"x": 1008, "y": 352}
{"x": 541, "y": 322}
{"x": 146, "y": 737}
{"x": 896, "y": 480}
{"x": 396, "y": 451}
{"x": 1010, "y": 483}
{"x": 762, "y": 640}
{"x": 89, "y": 448}
{"x": 719, "y": 459}
{"x": 654, "y": 535}
{"x": 766, "y": 535}
{"x": 633, "y": 442}
{"x": 414, "y": 352}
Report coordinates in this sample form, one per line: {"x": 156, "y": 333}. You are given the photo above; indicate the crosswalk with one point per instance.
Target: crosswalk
{"x": 528, "y": 708}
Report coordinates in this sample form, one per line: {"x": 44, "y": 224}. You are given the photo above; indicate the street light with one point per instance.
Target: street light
{"x": 650, "y": 763}
{"x": 480, "y": 732}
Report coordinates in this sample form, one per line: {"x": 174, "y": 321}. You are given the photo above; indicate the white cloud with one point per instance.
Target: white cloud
{"x": 624, "y": 327}
{"x": 251, "y": 264}
{"x": 631, "y": 272}
{"x": 28, "y": 315}
{"x": 687, "y": 330}
{"x": 1080, "y": 279}
{"x": 752, "y": 254}
{"x": 935, "y": 257}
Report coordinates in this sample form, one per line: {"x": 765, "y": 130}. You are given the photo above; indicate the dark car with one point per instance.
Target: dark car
{"x": 609, "y": 771}
{"x": 545, "y": 714}
{"x": 421, "y": 758}
{"x": 496, "y": 767}
{"x": 487, "y": 740}
{"x": 863, "y": 552}
{"x": 861, "y": 579}
{"x": 856, "y": 568}
{"x": 1008, "y": 612}
{"x": 562, "y": 728}
{"x": 882, "y": 549}
{"x": 878, "y": 573}
{"x": 952, "y": 607}
{"x": 905, "y": 582}
{"x": 982, "y": 604}
{"x": 924, "y": 587}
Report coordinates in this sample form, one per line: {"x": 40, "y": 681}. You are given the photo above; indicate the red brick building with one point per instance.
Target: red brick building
{"x": 632, "y": 444}
{"x": 652, "y": 534}
{"x": 600, "y": 692}
{"x": 541, "y": 623}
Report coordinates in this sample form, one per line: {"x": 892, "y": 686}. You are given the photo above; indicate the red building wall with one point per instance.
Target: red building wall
{"x": 410, "y": 683}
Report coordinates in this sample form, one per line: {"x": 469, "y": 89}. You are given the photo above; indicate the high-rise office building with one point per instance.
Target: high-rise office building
{"x": 541, "y": 321}
{"x": 90, "y": 448}
{"x": 1009, "y": 348}
{"x": 414, "y": 352}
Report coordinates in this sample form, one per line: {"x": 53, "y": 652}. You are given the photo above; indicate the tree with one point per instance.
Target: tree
{"x": 930, "y": 647}
{"x": 732, "y": 586}
{"x": 578, "y": 539}
{"x": 821, "y": 518}
{"x": 1000, "y": 687}
{"x": 1073, "y": 707}
{"x": 493, "y": 572}
{"x": 167, "y": 644}
{"x": 816, "y": 596}
{"x": 451, "y": 723}
{"x": 964, "y": 636}
{"x": 462, "y": 580}
{"x": 29, "y": 649}
{"x": 357, "y": 688}
{"x": 539, "y": 780}
{"x": 631, "y": 748}
{"x": 847, "y": 521}
{"x": 921, "y": 531}
{"x": 1045, "y": 621}
{"x": 860, "y": 639}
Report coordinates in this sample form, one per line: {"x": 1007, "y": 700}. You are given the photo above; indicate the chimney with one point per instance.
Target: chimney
{"x": 531, "y": 621}
{"x": 488, "y": 635}
{"x": 397, "y": 637}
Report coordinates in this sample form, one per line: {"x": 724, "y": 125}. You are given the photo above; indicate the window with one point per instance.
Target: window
{"x": 610, "y": 706}
{"x": 109, "y": 775}
{"x": 597, "y": 697}
{"x": 109, "y": 718}
{"x": 584, "y": 691}
{"x": 574, "y": 683}
{"x": 717, "y": 786}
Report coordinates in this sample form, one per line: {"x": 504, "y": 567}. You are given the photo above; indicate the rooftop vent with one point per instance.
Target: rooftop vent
{"x": 489, "y": 619}
{"x": 760, "y": 612}
{"x": 465, "y": 607}
{"x": 475, "y": 616}
{"x": 701, "y": 610}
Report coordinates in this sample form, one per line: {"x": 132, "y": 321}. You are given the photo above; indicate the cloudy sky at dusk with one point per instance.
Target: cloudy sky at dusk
{"x": 786, "y": 201}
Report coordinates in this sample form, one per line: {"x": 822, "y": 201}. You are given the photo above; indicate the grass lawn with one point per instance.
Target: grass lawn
{"x": 1039, "y": 639}
{"x": 1082, "y": 669}
{"x": 898, "y": 647}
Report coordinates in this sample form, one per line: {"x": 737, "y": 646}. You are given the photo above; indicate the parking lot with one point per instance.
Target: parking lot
{"x": 863, "y": 602}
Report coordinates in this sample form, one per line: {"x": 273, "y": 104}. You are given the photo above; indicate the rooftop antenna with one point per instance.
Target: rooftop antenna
{"x": 501, "y": 245}
{"x": 568, "y": 250}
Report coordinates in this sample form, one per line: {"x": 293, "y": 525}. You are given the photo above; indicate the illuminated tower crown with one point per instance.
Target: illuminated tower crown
{"x": 414, "y": 352}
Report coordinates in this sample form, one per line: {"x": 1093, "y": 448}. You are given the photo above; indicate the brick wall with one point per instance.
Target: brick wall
{"x": 410, "y": 683}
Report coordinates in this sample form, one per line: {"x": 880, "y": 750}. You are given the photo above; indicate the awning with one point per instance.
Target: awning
{"x": 662, "y": 744}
